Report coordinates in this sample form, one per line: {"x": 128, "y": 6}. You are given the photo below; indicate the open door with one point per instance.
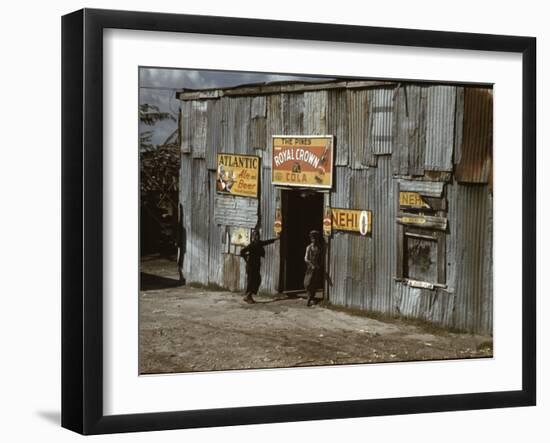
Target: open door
{"x": 302, "y": 212}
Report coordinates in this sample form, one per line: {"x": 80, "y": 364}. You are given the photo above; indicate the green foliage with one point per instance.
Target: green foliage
{"x": 160, "y": 169}
{"x": 159, "y": 164}
{"x": 151, "y": 114}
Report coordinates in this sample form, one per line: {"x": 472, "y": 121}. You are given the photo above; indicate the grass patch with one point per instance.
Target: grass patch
{"x": 486, "y": 346}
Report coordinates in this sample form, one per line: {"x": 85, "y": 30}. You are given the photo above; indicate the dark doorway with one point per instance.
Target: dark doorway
{"x": 302, "y": 212}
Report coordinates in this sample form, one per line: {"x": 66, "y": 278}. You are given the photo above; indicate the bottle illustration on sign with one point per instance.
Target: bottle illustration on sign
{"x": 322, "y": 162}
{"x": 278, "y": 224}
{"x": 226, "y": 179}
{"x": 327, "y": 222}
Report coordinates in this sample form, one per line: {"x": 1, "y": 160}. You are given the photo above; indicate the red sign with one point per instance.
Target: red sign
{"x": 302, "y": 161}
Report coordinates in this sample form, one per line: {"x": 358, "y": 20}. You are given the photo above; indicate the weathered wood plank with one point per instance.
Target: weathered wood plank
{"x": 424, "y": 221}
{"x": 235, "y": 211}
{"x": 427, "y": 189}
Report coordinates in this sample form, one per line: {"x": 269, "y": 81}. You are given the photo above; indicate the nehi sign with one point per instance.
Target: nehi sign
{"x": 352, "y": 220}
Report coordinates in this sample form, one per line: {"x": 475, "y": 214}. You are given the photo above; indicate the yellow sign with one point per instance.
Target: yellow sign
{"x": 352, "y": 220}
{"x": 238, "y": 175}
{"x": 278, "y": 223}
{"x": 412, "y": 200}
{"x": 412, "y": 220}
{"x": 303, "y": 161}
{"x": 327, "y": 222}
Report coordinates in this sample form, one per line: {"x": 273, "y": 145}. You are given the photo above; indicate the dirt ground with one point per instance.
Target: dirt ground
{"x": 185, "y": 328}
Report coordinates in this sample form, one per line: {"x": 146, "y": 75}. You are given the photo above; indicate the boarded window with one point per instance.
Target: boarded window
{"x": 421, "y": 258}
{"x": 421, "y": 232}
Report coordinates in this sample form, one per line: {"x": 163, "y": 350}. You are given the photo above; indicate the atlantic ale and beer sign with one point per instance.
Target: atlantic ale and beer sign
{"x": 238, "y": 174}
{"x": 302, "y": 161}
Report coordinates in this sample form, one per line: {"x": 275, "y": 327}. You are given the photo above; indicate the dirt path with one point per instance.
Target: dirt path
{"x": 191, "y": 329}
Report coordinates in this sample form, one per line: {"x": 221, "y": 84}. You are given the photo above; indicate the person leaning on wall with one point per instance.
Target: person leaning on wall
{"x": 252, "y": 255}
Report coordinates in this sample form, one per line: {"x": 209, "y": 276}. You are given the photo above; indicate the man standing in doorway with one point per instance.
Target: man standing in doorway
{"x": 313, "y": 278}
{"x": 252, "y": 255}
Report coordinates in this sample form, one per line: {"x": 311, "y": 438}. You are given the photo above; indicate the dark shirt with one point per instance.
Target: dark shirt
{"x": 254, "y": 252}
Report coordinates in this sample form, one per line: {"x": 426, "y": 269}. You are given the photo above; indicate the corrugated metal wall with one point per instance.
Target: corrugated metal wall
{"x": 470, "y": 273}
{"x": 440, "y": 118}
{"x": 413, "y": 134}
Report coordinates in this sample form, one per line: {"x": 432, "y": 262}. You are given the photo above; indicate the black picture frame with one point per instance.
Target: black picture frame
{"x": 82, "y": 215}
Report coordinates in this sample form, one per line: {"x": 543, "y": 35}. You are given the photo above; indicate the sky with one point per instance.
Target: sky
{"x": 157, "y": 86}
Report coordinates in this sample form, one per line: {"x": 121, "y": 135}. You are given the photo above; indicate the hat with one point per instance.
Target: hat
{"x": 314, "y": 233}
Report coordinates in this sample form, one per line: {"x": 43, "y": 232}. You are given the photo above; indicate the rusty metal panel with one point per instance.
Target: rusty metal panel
{"x": 440, "y": 119}
{"x": 194, "y": 198}
{"x": 185, "y": 126}
{"x": 383, "y": 204}
{"x": 435, "y": 306}
{"x": 428, "y": 189}
{"x": 469, "y": 261}
{"x": 235, "y": 211}
{"x": 361, "y": 252}
{"x": 236, "y": 125}
{"x": 274, "y": 125}
{"x": 359, "y": 154}
{"x": 409, "y": 130}
{"x": 337, "y": 125}
{"x": 241, "y": 125}
{"x": 258, "y": 134}
{"x": 198, "y": 128}
{"x": 459, "y": 124}
{"x": 215, "y": 245}
{"x": 278, "y": 87}
{"x": 475, "y": 162}
{"x": 186, "y": 200}
{"x": 487, "y": 305}
{"x": 355, "y": 293}
{"x": 258, "y": 114}
{"x": 232, "y": 274}
{"x": 315, "y": 112}
{"x": 338, "y": 268}
{"x": 380, "y": 116}
{"x": 402, "y": 124}
{"x": 292, "y": 107}
{"x": 417, "y": 106}
{"x": 339, "y": 243}
{"x": 213, "y": 133}
{"x": 226, "y": 135}
{"x": 258, "y": 107}
{"x": 271, "y": 262}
